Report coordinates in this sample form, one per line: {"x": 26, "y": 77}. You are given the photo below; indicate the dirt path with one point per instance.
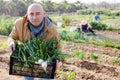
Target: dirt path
{"x": 113, "y": 35}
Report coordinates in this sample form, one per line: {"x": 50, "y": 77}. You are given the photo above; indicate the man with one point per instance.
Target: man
{"x": 34, "y": 24}
{"x": 96, "y": 18}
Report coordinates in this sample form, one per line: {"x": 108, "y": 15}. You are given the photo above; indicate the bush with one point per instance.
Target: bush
{"x": 5, "y": 28}
{"x": 117, "y": 14}
{"x": 93, "y": 11}
{"x": 98, "y": 26}
{"x": 66, "y": 20}
{"x": 85, "y": 12}
{"x": 64, "y": 35}
{"x": 68, "y": 36}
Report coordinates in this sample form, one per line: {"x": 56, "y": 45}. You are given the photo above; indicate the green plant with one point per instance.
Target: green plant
{"x": 98, "y": 26}
{"x": 80, "y": 54}
{"x": 76, "y": 36}
{"x": 115, "y": 60}
{"x": 107, "y": 43}
{"x": 66, "y": 20}
{"x": 64, "y": 35}
{"x": 34, "y": 50}
{"x": 94, "y": 57}
{"x": 70, "y": 76}
{"x": 115, "y": 50}
{"x": 5, "y": 27}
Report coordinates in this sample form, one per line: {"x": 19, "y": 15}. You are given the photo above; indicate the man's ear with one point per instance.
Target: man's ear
{"x": 25, "y": 18}
{"x": 45, "y": 14}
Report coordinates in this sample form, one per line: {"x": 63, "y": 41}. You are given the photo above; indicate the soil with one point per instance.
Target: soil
{"x": 86, "y": 69}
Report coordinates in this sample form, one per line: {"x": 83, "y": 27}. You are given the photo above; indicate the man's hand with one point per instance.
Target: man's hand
{"x": 11, "y": 46}
{"x": 57, "y": 64}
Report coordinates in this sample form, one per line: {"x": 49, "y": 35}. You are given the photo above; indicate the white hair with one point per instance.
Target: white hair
{"x": 83, "y": 22}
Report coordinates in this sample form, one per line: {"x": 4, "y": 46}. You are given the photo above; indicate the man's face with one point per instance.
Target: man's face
{"x": 35, "y": 15}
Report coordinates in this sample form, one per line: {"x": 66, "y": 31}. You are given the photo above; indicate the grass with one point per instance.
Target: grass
{"x": 3, "y": 46}
{"x": 111, "y": 21}
{"x": 115, "y": 60}
{"x": 3, "y": 42}
{"x": 67, "y": 28}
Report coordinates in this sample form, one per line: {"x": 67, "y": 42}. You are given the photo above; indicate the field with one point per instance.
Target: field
{"x": 105, "y": 67}
{"x": 88, "y": 61}
{"x": 92, "y": 69}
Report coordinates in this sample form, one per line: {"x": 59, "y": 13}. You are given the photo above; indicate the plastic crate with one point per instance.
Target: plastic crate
{"x": 16, "y": 68}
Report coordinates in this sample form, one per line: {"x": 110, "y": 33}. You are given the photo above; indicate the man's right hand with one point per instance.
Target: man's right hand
{"x": 11, "y": 46}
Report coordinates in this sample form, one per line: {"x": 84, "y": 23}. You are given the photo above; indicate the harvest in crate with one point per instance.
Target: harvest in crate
{"x": 35, "y": 58}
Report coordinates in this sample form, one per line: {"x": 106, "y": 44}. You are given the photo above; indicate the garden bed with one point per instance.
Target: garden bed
{"x": 86, "y": 69}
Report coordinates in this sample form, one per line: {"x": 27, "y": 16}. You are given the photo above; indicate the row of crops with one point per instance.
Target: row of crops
{"x": 78, "y": 37}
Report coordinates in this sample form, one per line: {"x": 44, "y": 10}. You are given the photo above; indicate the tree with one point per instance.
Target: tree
{"x": 2, "y": 7}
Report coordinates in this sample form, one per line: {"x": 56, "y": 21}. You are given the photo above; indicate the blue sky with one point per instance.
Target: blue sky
{"x": 90, "y": 1}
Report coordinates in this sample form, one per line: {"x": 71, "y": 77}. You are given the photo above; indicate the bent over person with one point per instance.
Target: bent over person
{"x": 34, "y": 24}
{"x": 84, "y": 27}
